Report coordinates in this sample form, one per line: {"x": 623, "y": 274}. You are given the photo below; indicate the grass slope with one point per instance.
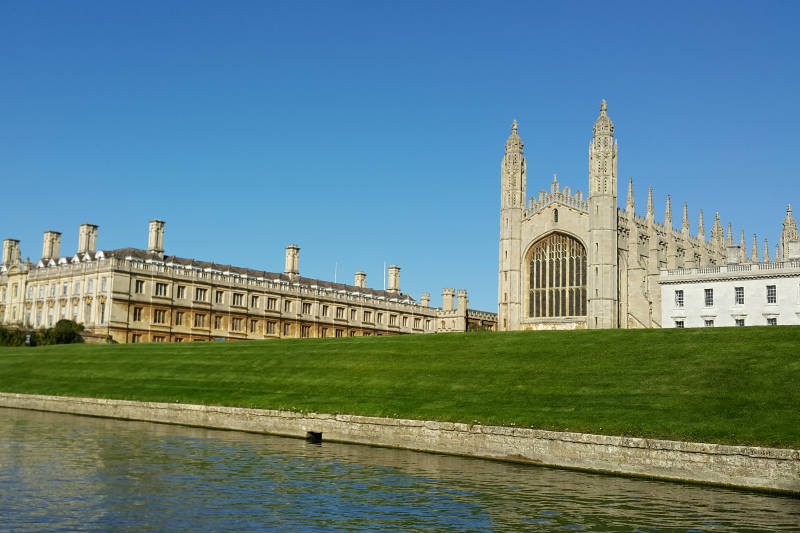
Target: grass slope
{"x": 730, "y": 385}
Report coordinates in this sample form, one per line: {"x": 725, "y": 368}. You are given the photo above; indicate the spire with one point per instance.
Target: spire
{"x": 754, "y": 259}
{"x": 717, "y": 233}
{"x": 685, "y": 219}
{"x": 603, "y": 157}
{"x": 701, "y": 227}
{"x": 742, "y": 249}
{"x": 630, "y": 205}
{"x": 514, "y": 143}
{"x": 766, "y": 252}
{"x": 668, "y": 215}
{"x": 650, "y": 212}
{"x": 729, "y": 240}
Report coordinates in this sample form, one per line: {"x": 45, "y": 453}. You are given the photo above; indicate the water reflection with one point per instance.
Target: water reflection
{"x": 69, "y": 473}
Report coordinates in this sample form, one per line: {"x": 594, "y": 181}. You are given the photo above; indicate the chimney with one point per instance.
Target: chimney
{"x": 447, "y": 299}
{"x": 51, "y": 245}
{"x": 292, "y": 261}
{"x": 361, "y": 280}
{"x": 155, "y": 238}
{"x": 394, "y": 279}
{"x": 425, "y": 299}
{"x": 87, "y": 239}
{"x": 10, "y": 252}
{"x": 462, "y": 301}
{"x": 732, "y": 252}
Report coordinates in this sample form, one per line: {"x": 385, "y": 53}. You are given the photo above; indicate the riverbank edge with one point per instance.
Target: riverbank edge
{"x": 772, "y": 469}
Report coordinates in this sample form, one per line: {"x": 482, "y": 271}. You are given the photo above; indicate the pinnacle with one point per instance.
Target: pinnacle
{"x": 514, "y": 126}
{"x": 603, "y": 106}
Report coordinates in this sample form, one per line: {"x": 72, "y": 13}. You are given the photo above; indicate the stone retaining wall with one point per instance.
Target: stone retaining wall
{"x": 744, "y": 466}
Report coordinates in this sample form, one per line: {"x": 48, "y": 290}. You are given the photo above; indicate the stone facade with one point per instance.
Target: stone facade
{"x": 569, "y": 261}
{"x": 135, "y": 295}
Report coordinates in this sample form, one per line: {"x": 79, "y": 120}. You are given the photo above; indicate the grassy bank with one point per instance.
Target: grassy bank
{"x": 732, "y": 385}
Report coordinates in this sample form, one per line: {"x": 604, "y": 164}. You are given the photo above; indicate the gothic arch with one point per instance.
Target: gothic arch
{"x": 556, "y": 273}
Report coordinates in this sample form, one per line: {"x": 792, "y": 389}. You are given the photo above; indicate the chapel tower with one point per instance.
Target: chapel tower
{"x": 512, "y": 203}
{"x": 602, "y": 261}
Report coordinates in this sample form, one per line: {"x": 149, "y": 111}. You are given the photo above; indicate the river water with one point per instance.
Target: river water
{"x": 71, "y": 473}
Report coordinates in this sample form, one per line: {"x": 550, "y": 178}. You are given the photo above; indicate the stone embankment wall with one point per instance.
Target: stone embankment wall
{"x": 743, "y": 466}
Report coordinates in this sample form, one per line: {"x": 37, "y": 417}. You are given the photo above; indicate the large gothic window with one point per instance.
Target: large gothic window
{"x": 557, "y": 277}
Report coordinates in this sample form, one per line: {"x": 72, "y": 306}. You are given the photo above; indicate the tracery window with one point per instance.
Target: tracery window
{"x": 557, "y": 277}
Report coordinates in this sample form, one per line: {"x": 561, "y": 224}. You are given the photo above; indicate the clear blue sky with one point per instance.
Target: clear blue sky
{"x": 373, "y": 131}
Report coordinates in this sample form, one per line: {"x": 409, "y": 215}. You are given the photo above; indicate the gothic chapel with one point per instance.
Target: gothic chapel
{"x": 571, "y": 262}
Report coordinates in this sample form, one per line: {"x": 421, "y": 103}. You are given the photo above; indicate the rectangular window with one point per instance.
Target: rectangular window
{"x": 52, "y": 290}
{"x": 219, "y": 297}
{"x": 179, "y": 318}
{"x": 324, "y": 332}
{"x": 102, "y": 284}
{"x": 287, "y": 306}
{"x": 254, "y": 302}
{"x": 305, "y": 331}
{"x": 200, "y": 295}
{"x": 772, "y": 321}
{"x": 352, "y": 333}
{"x": 405, "y": 321}
{"x": 417, "y": 323}
{"x": 159, "y": 316}
{"x": 709, "y": 323}
{"x": 679, "y": 323}
{"x": 306, "y": 308}
{"x": 136, "y": 338}
{"x": 158, "y": 338}
{"x": 41, "y": 292}
{"x": 5, "y": 293}
{"x": 325, "y": 310}
{"x": 238, "y": 298}
{"x": 392, "y": 320}
{"x": 738, "y": 293}
{"x": 161, "y": 289}
{"x": 253, "y": 326}
{"x": 75, "y": 312}
{"x": 772, "y": 294}
{"x": 64, "y": 289}
{"x": 137, "y": 314}
{"x": 180, "y": 292}
{"x": 679, "y": 298}
{"x": 77, "y": 288}
{"x": 428, "y": 324}
{"x": 739, "y": 321}
{"x": 272, "y": 304}
{"x": 236, "y": 324}
{"x": 339, "y": 333}
{"x": 271, "y": 328}
{"x": 379, "y": 318}
{"x": 199, "y": 320}
{"x": 30, "y": 291}
{"x": 90, "y": 286}
{"x": 139, "y": 287}
{"x": 287, "y": 329}
{"x": 102, "y": 312}
{"x": 367, "y": 316}
{"x": 709, "y": 297}
{"x": 352, "y": 314}
{"x": 340, "y": 312}
{"x": 217, "y": 322}
{"x": 178, "y": 339}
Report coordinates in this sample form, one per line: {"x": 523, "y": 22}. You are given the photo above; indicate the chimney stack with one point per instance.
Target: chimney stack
{"x": 292, "y": 261}
{"x": 155, "y": 238}
{"x": 447, "y": 299}
{"x": 87, "y": 239}
{"x": 425, "y": 299}
{"x": 10, "y": 252}
{"x": 394, "y": 279}
{"x": 732, "y": 254}
{"x": 51, "y": 245}
{"x": 361, "y": 280}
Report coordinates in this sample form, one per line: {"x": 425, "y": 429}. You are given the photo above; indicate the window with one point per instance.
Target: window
{"x": 772, "y": 294}
{"x": 325, "y": 310}
{"x": 236, "y": 324}
{"x": 392, "y": 320}
{"x": 738, "y": 293}
{"x": 772, "y": 321}
{"x": 178, "y": 318}
{"x": 77, "y": 288}
{"x": 417, "y": 323}
{"x": 340, "y": 312}
{"x": 306, "y": 308}
{"x": 339, "y": 333}
{"x": 41, "y": 292}
{"x": 324, "y": 332}
{"x": 219, "y": 297}
{"x": 217, "y": 322}
{"x": 679, "y": 323}
{"x": 254, "y": 302}
{"x": 709, "y": 323}
{"x": 199, "y": 320}
{"x": 238, "y": 298}
{"x": 103, "y": 284}
{"x": 38, "y": 317}
{"x": 139, "y": 287}
{"x": 136, "y": 338}
{"x": 159, "y": 316}
{"x": 352, "y": 314}
{"x": 16, "y": 290}
{"x": 367, "y": 316}
{"x": 287, "y": 306}
{"x": 102, "y": 312}
{"x": 200, "y": 295}
{"x": 405, "y": 321}
{"x": 137, "y": 314}
{"x": 272, "y": 303}
{"x": 49, "y": 315}
{"x": 90, "y": 286}
{"x": 271, "y": 328}
{"x": 366, "y": 334}
{"x": 5, "y": 291}
{"x": 739, "y": 321}
{"x": 181, "y": 292}
{"x": 52, "y": 290}
{"x": 428, "y": 324}
{"x": 557, "y": 277}
{"x": 64, "y": 289}
{"x": 158, "y": 338}
{"x": 287, "y": 329}
{"x": 253, "y": 326}
{"x": 709, "y": 297}
{"x": 30, "y": 291}
{"x": 305, "y": 331}
{"x": 679, "y": 298}
{"x": 161, "y": 289}
{"x": 178, "y": 339}
{"x": 379, "y": 318}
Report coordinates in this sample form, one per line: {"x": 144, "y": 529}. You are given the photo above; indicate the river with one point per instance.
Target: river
{"x": 71, "y": 473}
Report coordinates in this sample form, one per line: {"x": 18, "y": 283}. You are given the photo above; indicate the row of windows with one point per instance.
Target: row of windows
{"x": 52, "y": 289}
{"x": 738, "y": 296}
{"x": 771, "y": 321}
{"x": 40, "y": 319}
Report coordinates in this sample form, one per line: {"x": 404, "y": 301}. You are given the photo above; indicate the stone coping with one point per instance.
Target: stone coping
{"x": 773, "y": 469}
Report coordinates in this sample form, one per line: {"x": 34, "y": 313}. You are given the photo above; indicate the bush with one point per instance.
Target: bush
{"x": 64, "y": 332}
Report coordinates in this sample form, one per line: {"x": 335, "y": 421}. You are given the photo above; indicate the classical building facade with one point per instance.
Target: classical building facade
{"x": 741, "y": 292}
{"x": 143, "y": 295}
{"x": 569, "y": 261}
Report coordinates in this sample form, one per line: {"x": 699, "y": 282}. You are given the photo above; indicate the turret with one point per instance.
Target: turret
{"x": 447, "y": 299}
{"x": 155, "y": 238}
{"x": 462, "y": 301}
{"x": 602, "y": 253}
{"x": 292, "y": 268}
{"x": 790, "y": 240}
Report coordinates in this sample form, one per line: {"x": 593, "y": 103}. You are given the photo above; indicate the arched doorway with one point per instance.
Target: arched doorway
{"x": 557, "y": 277}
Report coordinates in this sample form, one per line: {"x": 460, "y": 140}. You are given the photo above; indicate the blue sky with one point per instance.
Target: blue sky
{"x": 372, "y": 132}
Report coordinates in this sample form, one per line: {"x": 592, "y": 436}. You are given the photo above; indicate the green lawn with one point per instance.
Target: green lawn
{"x": 731, "y": 385}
